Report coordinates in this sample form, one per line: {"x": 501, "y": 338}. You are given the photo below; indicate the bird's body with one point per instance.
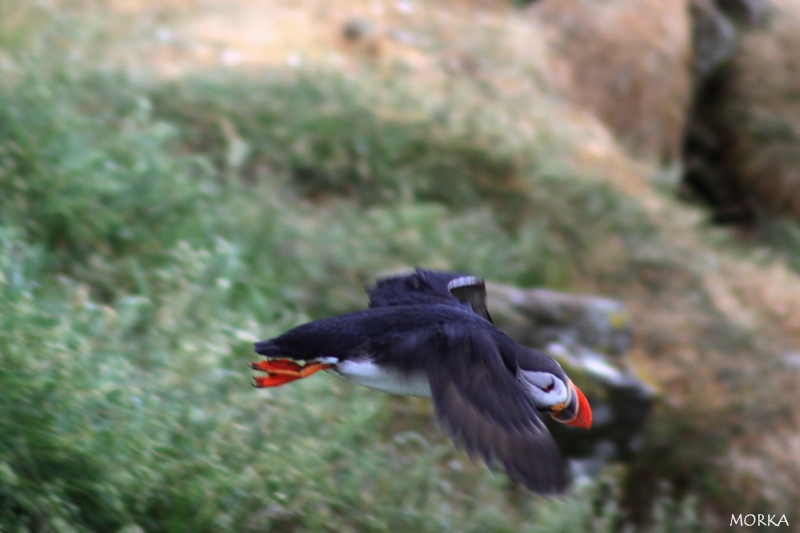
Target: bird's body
{"x": 419, "y": 339}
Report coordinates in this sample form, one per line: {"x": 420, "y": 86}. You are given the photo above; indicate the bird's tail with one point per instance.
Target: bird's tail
{"x": 269, "y": 349}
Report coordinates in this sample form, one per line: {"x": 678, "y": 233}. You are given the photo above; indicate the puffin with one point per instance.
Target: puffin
{"x": 429, "y": 333}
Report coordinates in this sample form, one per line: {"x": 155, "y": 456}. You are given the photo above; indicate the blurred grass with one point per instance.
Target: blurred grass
{"x": 149, "y": 233}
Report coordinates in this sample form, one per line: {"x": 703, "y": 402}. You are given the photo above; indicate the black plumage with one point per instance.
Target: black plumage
{"x": 418, "y": 329}
{"x": 431, "y": 287}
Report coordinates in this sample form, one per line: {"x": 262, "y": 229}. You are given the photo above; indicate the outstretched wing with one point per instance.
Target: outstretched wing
{"x": 482, "y": 407}
{"x": 431, "y": 287}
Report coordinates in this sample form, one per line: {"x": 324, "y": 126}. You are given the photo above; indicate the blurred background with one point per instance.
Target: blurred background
{"x": 183, "y": 177}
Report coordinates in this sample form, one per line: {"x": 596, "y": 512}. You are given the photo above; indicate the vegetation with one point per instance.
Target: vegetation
{"x": 150, "y": 232}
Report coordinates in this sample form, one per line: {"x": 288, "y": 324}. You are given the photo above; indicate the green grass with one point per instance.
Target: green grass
{"x": 149, "y": 233}
{"x": 139, "y": 413}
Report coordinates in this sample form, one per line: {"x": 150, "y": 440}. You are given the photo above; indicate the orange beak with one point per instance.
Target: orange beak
{"x": 576, "y": 412}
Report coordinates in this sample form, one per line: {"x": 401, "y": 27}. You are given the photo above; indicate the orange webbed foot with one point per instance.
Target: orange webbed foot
{"x": 261, "y": 382}
{"x": 283, "y": 371}
{"x": 280, "y": 367}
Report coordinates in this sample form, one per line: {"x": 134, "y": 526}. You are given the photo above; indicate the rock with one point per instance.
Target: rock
{"x": 539, "y": 317}
{"x": 714, "y": 37}
{"x": 744, "y": 144}
{"x": 357, "y": 28}
{"x": 360, "y": 36}
{"x": 747, "y": 12}
{"x": 791, "y": 360}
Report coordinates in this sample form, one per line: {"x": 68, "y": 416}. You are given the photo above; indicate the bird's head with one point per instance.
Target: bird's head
{"x": 554, "y": 393}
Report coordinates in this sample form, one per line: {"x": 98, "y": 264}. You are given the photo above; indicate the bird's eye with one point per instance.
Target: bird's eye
{"x": 550, "y": 387}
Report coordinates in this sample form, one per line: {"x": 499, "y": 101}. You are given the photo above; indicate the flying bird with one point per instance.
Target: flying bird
{"x": 430, "y": 334}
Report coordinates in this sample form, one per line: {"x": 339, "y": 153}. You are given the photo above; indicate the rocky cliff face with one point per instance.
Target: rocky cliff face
{"x": 707, "y": 85}
{"x": 751, "y": 117}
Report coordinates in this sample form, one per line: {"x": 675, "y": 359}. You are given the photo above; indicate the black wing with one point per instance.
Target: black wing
{"x": 431, "y": 287}
{"x": 482, "y": 407}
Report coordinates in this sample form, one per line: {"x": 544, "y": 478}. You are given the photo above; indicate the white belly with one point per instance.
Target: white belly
{"x": 370, "y": 375}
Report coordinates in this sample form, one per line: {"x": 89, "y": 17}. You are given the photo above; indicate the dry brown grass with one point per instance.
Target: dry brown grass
{"x": 629, "y": 63}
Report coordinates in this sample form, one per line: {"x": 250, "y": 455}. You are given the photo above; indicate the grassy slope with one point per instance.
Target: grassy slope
{"x": 135, "y": 276}
{"x": 150, "y": 232}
